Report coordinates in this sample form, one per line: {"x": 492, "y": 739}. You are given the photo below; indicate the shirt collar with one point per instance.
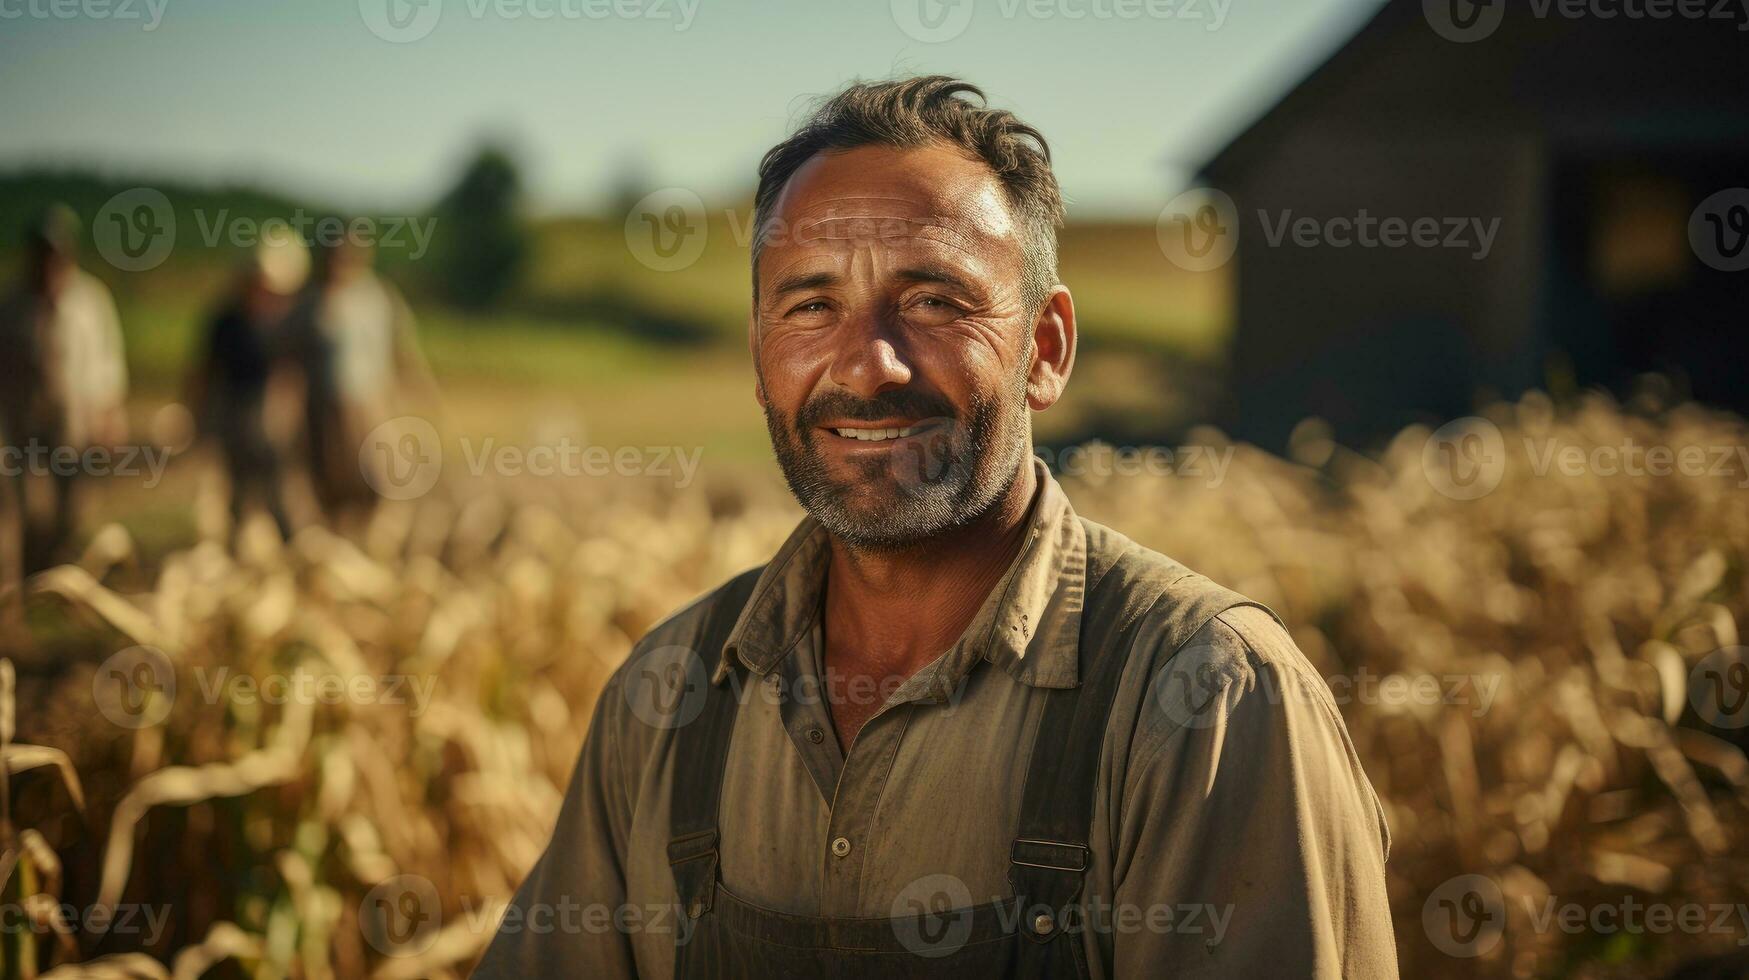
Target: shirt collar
{"x": 1029, "y": 625}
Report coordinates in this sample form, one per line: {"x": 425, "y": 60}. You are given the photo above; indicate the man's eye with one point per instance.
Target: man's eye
{"x": 811, "y": 306}
{"x": 933, "y": 306}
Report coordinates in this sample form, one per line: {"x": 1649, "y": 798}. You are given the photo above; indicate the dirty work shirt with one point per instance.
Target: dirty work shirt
{"x": 1234, "y": 833}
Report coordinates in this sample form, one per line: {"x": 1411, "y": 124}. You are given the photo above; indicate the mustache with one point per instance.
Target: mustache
{"x": 838, "y": 404}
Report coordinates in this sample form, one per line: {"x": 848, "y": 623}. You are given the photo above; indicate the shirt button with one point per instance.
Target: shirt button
{"x": 1044, "y": 924}
{"x": 840, "y": 846}
{"x": 816, "y": 736}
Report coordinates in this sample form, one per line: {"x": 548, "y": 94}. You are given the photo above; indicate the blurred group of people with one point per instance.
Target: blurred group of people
{"x": 305, "y": 354}
{"x": 301, "y": 358}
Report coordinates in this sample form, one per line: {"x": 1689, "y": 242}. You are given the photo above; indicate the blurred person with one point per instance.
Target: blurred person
{"x": 246, "y": 352}
{"x": 1000, "y": 739}
{"x": 355, "y": 343}
{"x": 63, "y": 380}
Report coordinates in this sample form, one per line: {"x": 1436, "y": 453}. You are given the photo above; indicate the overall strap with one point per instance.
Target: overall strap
{"x": 1050, "y": 854}
{"x": 700, "y": 751}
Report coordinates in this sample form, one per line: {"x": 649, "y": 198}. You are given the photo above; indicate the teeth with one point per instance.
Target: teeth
{"x": 876, "y": 435}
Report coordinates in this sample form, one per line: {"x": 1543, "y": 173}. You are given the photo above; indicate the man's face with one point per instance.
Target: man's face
{"x": 892, "y": 341}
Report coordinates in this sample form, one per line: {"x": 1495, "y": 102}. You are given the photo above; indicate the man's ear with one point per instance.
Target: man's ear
{"x": 1053, "y": 350}
{"x": 753, "y": 349}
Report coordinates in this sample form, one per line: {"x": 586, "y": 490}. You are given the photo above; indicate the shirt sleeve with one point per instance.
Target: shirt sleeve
{"x": 561, "y": 921}
{"x": 1250, "y": 842}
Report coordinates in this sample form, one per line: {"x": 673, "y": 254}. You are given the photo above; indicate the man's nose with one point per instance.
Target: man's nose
{"x": 868, "y": 360}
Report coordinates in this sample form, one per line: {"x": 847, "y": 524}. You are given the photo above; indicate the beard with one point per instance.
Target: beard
{"x": 943, "y": 478}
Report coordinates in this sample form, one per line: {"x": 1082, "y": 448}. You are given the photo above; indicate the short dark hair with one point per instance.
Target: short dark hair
{"x": 914, "y": 112}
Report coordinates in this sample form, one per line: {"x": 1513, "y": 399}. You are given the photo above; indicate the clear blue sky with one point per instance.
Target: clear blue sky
{"x": 302, "y": 95}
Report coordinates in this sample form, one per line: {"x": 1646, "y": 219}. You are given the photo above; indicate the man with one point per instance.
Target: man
{"x": 246, "y": 356}
{"x": 63, "y": 379}
{"x": 354, "y": 341}
{"x": 951, "y": 729}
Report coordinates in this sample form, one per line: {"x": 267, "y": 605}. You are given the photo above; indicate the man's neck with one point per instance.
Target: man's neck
{"x": 889, "y": 613}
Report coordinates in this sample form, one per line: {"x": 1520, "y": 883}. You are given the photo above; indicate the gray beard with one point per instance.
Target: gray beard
{"x": 952, "y": 478}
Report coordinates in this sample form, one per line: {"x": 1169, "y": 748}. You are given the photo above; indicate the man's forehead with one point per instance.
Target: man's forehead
{"x": 886, "y": 192}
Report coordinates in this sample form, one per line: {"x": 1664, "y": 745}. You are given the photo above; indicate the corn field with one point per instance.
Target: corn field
{"x": 303, "y": 723}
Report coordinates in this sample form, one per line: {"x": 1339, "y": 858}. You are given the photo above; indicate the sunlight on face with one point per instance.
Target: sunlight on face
{"x": 892, "y": 341}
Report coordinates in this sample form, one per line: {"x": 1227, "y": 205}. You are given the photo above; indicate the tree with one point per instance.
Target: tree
{"x": 481, "y": 243}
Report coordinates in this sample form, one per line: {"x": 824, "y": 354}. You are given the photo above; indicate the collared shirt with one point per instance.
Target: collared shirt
{"x": 1234, "y": 832}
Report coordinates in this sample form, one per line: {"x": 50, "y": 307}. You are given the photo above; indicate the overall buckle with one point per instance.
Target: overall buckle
{"x": 1047, "y": 877}
{"x": 1050, "y": 854}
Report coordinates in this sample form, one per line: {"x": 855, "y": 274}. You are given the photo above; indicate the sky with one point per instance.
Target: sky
{"x": 378, "y": 103}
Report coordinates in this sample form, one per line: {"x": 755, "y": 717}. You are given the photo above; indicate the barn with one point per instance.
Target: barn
{"x": 1594, "y": 156}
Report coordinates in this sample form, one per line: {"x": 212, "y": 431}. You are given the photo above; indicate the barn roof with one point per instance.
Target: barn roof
{"x": 1574, "y": 80}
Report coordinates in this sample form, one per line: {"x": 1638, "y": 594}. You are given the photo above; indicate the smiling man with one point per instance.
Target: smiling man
{"x": 951, "y": 729}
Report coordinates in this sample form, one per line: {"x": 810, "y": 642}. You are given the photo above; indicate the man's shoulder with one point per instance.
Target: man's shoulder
{"x": 719, "y": 607}
{"x": 1230, "y": 624}
{"x": 1244, "y": 645}
{"x": 1133, "y": 565}
{"x": 681, "y": 636}
{"x": 1241, "y": 662}
{"x": 1233, "y": 646}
